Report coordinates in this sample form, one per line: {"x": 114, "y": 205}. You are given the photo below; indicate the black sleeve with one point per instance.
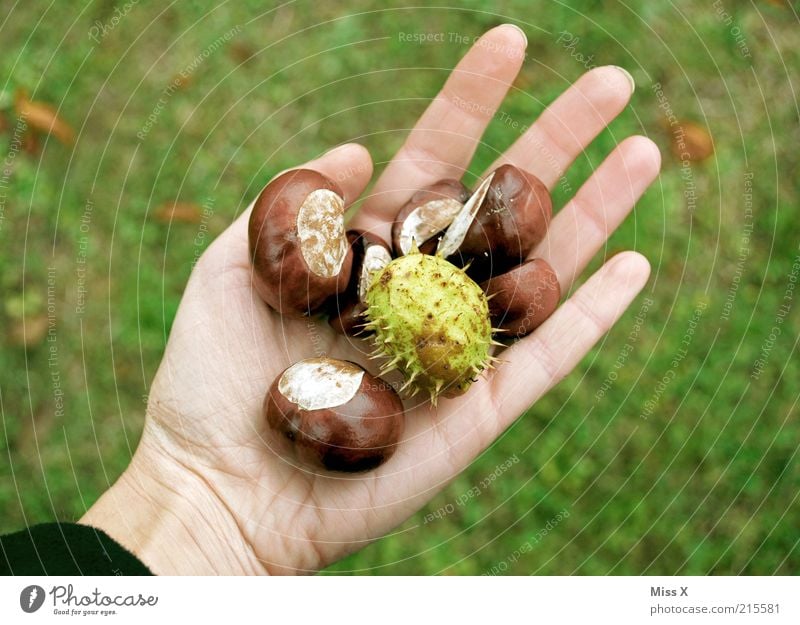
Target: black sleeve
{"x": 66, "y": 549}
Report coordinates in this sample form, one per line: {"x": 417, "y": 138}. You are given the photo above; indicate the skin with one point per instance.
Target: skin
{"x": 205, "y": 494}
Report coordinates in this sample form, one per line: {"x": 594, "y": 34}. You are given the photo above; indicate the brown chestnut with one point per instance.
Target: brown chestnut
{"x": 510, "y": 216}
{"x": 335, "y": 415}
{"x": 346, "y": 309}
{"x": 523, "y": 298}
{"x": 298, "y": 247}
{"x": 426, "y": 215}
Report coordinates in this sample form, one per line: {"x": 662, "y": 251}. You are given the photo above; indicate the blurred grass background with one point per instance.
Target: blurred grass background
{"x": 708, "y": 482}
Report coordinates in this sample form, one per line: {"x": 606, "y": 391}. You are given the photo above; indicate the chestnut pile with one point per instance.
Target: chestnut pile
{"x": 455, "y": 279}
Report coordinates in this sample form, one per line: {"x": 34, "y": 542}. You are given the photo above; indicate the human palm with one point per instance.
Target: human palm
{"x": 205, "y": 433}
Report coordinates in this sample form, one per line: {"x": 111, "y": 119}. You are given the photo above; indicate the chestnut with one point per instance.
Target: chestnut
{"x": 511, "y": 215}
{"x": 335, "y": 415}
{"x": 346, "y": 309}
{"x": 426, "y": 215}
{"x": 523, "y": 298}
{"x": 298, "y": 247}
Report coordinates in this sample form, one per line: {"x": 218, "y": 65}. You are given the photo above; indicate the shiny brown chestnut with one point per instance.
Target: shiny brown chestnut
{"x": 523, "y": 298}
{"x": 346, "y": 309}
{"x": 334, "y": 415}
{"x": 498, "y": 232}
{"x": 298, "y": 247}
{"x": 426, "y": 215}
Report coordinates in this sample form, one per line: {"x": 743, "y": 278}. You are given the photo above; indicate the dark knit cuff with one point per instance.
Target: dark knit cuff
{"x": 66, "y": 549}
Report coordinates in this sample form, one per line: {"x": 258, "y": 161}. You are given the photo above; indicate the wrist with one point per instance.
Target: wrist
{"x": 169, "y": 517}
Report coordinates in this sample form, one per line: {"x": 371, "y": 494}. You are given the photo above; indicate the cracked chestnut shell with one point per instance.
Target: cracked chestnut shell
{"x": 522, "y": 299}
{"x": 335, "y": 415}
{"x": 298, "y": 247}
{"x": 512, "y": 218}
{"x": 346, "y": 309}
{"x": 426, "y": 215}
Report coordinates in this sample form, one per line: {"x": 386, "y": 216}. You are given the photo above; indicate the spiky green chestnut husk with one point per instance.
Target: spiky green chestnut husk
{"x": 432, "y": 322}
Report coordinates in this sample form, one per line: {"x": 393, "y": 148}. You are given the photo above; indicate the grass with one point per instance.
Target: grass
{"x": 707, "y": 483}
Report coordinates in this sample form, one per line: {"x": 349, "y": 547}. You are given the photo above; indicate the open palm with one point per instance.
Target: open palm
{"x": 205, "y": 436}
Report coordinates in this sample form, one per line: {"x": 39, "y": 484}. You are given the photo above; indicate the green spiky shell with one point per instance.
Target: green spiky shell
{"x": 431, "y": 321}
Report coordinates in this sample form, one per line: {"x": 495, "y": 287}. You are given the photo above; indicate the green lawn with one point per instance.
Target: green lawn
{"x": 671, "y": 449}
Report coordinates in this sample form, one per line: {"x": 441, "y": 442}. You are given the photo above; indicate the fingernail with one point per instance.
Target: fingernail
{"x": 628, "y": 76}
{"x": 521, "y": 32}
{"x": 344, "y": 146}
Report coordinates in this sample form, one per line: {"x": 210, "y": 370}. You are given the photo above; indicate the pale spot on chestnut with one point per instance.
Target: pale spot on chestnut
{"x": 426, "y": 215}
{"x": 426, "y": 221}
{"x": 320, "y": 229}
{"x": 320, "y": 383}
{"x": 454, "y": 236}
{"x": 300, "y": 253}
{"x": 376, "y": 257}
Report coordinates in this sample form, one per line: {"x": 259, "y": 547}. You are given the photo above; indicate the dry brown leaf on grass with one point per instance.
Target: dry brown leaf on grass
{"x": 690, "y": 141}
{"x": 29, "y": 331}
{"x": 242, "y": 52}
{"x": 183, "y": 212}
{"x": 42, "y": 117}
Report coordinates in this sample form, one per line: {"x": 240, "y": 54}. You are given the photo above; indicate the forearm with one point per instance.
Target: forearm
{"x": 172, "y": 521}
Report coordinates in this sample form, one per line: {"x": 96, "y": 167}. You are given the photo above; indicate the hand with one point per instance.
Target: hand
{"x": 205, "y": 493}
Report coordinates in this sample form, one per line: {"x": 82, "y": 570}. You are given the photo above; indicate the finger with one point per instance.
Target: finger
{"x": 444, "y": 139}
{"x": 570, "y": 123}
{"x": 582, "y": 227}
{"x": 349, "y": 165}
{"x": 535, "y": 364}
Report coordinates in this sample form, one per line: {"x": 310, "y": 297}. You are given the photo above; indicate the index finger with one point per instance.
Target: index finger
{"x": 444, "y": 139}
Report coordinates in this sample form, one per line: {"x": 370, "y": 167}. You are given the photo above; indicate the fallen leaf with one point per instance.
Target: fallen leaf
{"x": 43, "y": 118}
{"x": 30, "y": 143}
{"x": 184, "y": 212}
{"x": 181, "y": 82}
{"x": 29, "y": 331}
{"x": 691, "y": 141}
{"x": 241, "y": 52}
